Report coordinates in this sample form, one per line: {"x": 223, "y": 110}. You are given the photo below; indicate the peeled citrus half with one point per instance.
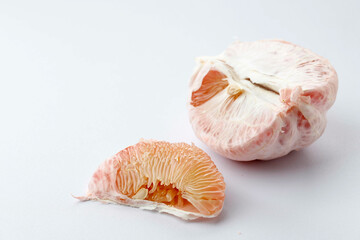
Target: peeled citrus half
{"x": 261, "y": 100}
{"x": 175, "y": 178}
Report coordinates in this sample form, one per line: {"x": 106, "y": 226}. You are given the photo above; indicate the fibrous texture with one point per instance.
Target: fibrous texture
{"x": 176, "y": 178}
{"x": 261, "y": 100}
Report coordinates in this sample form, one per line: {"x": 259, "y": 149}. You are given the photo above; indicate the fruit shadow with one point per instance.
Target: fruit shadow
{"x": 216, "y": 220}
{"x": 290, "y": 168}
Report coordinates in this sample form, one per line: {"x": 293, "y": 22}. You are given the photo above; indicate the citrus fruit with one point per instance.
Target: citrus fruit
{"x": 261, "y": 100}
{"x": 175, "y": 178}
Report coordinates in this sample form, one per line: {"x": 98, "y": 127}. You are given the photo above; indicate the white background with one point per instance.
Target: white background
{"x": 81, "y": 80}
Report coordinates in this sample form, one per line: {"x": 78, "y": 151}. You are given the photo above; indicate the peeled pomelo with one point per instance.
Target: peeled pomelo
{"x": 261, "y": 100}
{"x": 175, "y": 178}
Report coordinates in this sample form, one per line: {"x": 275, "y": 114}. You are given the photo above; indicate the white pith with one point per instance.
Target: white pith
{"x": 117, "y": 198}
{"x": 264, "y": 71}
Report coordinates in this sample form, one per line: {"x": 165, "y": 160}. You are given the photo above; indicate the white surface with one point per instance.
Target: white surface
{"x": 81, "y": 80}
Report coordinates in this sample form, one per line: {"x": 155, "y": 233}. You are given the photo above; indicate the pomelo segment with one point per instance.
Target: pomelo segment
{"x": 261, "y": 100}
{"x": 175, "y": 178}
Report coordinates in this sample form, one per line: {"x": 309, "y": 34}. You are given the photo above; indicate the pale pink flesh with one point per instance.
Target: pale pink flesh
{"x": 176, "y": 178}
